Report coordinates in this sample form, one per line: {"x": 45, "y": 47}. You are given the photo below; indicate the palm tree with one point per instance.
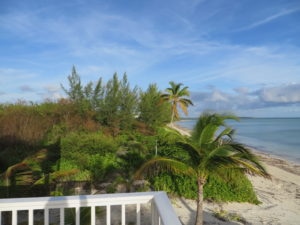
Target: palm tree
{"x": 175, "y": 95}
{"x": 212, "y": 151}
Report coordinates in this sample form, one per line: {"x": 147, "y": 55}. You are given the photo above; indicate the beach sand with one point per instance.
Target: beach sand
{"x": 279, "y": 196}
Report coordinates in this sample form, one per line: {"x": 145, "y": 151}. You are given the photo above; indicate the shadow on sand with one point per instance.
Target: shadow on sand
{"x": 209, "y": 218}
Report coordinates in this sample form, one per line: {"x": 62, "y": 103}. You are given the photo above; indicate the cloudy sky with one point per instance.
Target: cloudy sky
{"x": 241, "y": 56}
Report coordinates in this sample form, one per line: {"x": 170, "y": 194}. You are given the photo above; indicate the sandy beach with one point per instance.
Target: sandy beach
{"x": 279, "y": 196}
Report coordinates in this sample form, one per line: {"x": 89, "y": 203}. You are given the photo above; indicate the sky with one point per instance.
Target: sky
{"x": 240, "y": 56}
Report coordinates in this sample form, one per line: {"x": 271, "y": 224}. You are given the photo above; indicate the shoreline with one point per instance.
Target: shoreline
{"x": 266, "y": 157}
{"x": 279, "y": 196}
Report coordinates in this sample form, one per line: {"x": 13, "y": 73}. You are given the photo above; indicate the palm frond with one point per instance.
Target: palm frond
{"x": 171, "y": 130}
{"x": 183, "y": 92}
{"x": 221, "y": 151}
{"x": 160, "y": 164}
{"x": 248, "y": 160}
{"x": 228, "y": 131}
{"x": 251, "y": 167}
{"x": 10, "y": 171}
{"x": 193, "y": 151}
{"x": 207, "y": 135}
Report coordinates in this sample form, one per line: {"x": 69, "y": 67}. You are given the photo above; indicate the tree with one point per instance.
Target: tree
{"x": 75, "y": 92}
{"x": 212, "y": 151}
{"x": 109, "y": 107}
{"x": 128, "y": 103}
{"x": 118, "y": 107}
{"x": 176, "y": 96}
{"x": 151, "y": 110}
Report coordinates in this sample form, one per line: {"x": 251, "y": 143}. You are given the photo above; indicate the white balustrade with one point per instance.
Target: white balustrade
{"x": 161, "y": 211}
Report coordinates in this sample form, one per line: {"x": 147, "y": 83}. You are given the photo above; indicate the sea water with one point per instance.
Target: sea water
{"x": 276, "y": 136}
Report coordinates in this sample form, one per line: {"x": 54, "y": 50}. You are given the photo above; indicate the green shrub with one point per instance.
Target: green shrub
{"x": 86, "y": 143}
{"x": 67, "y": 166}
{"x": 216, "y": 189}
{"x": 238, "y": 190}
{"x": 101, "y": 165}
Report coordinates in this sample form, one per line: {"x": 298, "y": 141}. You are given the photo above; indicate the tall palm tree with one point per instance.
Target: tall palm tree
{"x": 212, "y": 151}
{"x": 176, "y": 96}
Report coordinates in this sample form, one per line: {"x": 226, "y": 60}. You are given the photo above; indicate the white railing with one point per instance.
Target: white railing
{"x": 160, "y": 209}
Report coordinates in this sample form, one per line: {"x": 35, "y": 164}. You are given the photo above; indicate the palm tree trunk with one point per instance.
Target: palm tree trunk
{"x": 199, "y": 212}
{"x": 172, "y": 117}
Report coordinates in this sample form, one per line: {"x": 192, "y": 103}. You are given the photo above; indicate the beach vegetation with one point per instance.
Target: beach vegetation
{"x": 212, "y": 151}
{"x": 98, "y": 136}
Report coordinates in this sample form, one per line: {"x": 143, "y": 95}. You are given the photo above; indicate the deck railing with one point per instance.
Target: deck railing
{"x": 160, "y": 211}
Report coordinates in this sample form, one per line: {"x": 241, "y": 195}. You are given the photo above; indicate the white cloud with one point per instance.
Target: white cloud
{"x": 281, "y": 94}
{"x": 217, "y": 96}
{"x": 246, "y": 101}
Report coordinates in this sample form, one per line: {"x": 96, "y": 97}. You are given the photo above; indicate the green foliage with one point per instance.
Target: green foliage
{"x": 102, "y": 165}
{"x": 76, "y": 145}
{"x": 118, "y": 106}
{"x": 152, "y": 110}
{"x": 74, "y": 171}
{"x": 128, "y": 104}
{"x": 176, "y": 185}
{"x": 175, "y": 95}
{"x": 75, "y": 92}
{"x": 239, "y": 189}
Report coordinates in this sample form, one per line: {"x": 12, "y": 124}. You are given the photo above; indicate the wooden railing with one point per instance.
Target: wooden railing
{"x": 158, "y": 209}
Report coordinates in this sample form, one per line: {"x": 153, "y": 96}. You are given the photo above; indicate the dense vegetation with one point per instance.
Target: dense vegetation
{"x": 97, "y": 138}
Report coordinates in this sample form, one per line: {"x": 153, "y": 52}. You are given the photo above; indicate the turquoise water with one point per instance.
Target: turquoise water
{"x": 277, "y": 136}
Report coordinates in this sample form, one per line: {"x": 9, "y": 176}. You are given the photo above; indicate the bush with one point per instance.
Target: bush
{"x": 216, "y": 189}
{"x": 77, "y": 144}
{"x": 101, "y": 165}
{"x": 70, "y": 165}
{"x": 238, "y": 190}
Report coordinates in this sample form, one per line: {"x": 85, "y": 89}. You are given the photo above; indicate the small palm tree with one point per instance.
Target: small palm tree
{"x": 25, "y": 170}
{"x": 212, "y": 152}
{"x": 176, "y": 96}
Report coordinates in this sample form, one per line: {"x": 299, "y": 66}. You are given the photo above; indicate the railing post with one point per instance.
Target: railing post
{"x": 138, "y": 214}
{"x": 62, "y": 216}
{"x": 123, "y": 214}
{"x": 93, "y": 215}
{"x": 154, "y": 213}
{"x": 108, "y": 219}
{"x": 46, "y": 216}
{"x": 77, "y": 212}
{"x": 14, "y": 217}
{"x": 30, "y": 217}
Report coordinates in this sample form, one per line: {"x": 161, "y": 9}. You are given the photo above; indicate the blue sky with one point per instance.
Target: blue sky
{"x": 241, "y": 56}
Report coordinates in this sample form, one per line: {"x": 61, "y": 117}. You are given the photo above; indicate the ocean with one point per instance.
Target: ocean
{"x": 275, "y": 136}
